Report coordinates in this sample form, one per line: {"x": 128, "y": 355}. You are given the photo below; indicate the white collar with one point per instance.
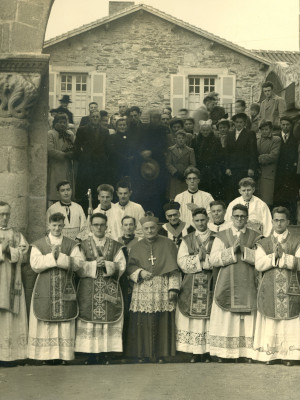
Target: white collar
{"x": 281, "y": 236}
{"x": 100, "y": 241}
{"x": 203, "y": 235}
{"x": 55, "y": 239}
{"x": 236, "y": 231}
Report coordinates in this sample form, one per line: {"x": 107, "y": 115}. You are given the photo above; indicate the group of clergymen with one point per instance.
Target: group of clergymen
{"x": 209, "y": 282}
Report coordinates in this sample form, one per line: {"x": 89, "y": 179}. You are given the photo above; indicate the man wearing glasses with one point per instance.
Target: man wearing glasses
{"x": 233, "y": 314}
{"x": 192, "y": 198}
{"x": 100, "y": 319}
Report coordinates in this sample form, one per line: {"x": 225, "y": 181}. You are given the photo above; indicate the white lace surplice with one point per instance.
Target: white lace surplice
{"x": 152, "y": 296}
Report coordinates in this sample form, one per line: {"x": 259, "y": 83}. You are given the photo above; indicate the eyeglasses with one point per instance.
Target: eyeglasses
{"x": 237, "y": 217}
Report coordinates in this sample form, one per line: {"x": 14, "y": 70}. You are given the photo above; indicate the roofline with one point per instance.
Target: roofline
{"x": 160, "y": 14}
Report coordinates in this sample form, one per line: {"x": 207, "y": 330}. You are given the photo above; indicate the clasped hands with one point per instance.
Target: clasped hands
{"x": 100, "y": 262}
{"x": 237, "y": 246}
{"x": 278, "y": 251}
{"x": 202, "y": 253}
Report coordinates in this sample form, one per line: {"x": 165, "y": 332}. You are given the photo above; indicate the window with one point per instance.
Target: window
{"x": 75, "y": 85}
{"x": 199, "y": 87}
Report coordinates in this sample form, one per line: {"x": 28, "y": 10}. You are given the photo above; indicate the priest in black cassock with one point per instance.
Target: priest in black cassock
{"x": 152, "y": 266}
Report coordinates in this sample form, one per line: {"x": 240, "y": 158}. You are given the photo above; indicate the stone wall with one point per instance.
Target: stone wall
{"x": 140, "y": 51}
{"x": 23, "y": 112}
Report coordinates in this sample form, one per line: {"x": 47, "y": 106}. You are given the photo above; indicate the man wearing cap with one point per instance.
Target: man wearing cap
{"x": 195, "y": 297}
{"x": 153, "y": 268}
{"x": 241, "y": 153}
{"x": 174, "y": 229}
{"x": 192, "y": 198}
{"x": 273, "y": 107}
{"x": 287, "y": 180}
{"x": 63, "y": 108}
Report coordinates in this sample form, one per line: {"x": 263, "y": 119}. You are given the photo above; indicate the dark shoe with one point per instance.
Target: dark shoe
{"x": 8, "y": 364}
{"x": 48, "y": 362}
{"x": 195, "y": 358}
{"x": 270, "y": 362}
{"x": 92, "y": 360}
{"x": 287, "y": 363}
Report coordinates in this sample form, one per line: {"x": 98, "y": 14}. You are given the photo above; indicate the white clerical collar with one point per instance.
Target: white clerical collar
{"x": 203, "y": 235}
{"x": 55, "y": 239}
{"x": 281, "y": 236}
{"x": 236, "y": 231}
{"x": 99, "y": 241}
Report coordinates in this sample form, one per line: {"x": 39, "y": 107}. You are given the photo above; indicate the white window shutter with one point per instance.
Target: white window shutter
{"x": 98, "y": 81}
{"x": 177, "y": 93}
{"x": 227, "y": 92}
{"x": 53, "y": 101}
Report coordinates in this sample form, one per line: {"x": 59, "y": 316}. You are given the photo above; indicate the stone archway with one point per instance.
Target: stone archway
{"x": 23, "y": 112}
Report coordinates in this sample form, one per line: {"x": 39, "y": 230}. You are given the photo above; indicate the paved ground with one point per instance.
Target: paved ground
{"x": 151, "y": 381}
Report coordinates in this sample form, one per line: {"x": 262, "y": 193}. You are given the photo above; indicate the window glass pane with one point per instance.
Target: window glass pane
{"x": 206, "y": 81}
{"x": 83, "y": 78}
{"x": 78, "y": 87}
{"x": 78, "y": 80}
{"x": 197, "y": 89}
{"x": 69, "y": 77}
{"x": 191, "y": 89}
{"x": 69, "y": 86}
{"x": 83, "y": 87}
{"x": 197, "y": 81}
{"x": 63, "y": 86}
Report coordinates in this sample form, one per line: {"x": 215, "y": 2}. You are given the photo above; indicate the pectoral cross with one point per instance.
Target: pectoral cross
{"x": 152, "y": 259}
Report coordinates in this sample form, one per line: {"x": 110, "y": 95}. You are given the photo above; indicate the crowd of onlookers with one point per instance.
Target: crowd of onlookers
{"x": 154, "y": 154}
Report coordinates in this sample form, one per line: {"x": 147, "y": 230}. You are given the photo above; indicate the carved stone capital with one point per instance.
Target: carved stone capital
{"x": 18, "y": 93}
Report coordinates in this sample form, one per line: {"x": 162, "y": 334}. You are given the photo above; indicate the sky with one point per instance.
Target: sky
{"x": 253, "y": 24}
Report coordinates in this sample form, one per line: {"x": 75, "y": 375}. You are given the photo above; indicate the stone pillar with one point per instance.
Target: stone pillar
{"x": 23, "y": 140}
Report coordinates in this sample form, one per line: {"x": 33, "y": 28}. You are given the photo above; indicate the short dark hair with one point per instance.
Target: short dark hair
{"x": 168, "y": 108}
{"x": 240, "y": 207}
{"x": 180, "y": 132}
{"x": 135, "y": 108}
{"x": 124, "y": 183}
{"x": 209, "y": 98}
{"x": 281, "y": 210}
{"x": 267, "y": 84}
{"x": 98, "y": 215}
{"x": 59, "y": 117}
{"x": 176, "y": 121}
{"x": 183, "y": 109}
{"x": 247, "y": 182}
{"x": 190, "y": 119}
{"x": 241, "y": 102}
{"x": 255, "y": 106}
{"x": 105, "y": 188}
{"x": 217, "y": 203}
{"x": 63, "y": 183}
{"x": 103, "y": 113}
{"x": 3, "y": 204}
{"x": 93, "y": 102}
{"x": 56, "y": 217}
{"x": 199, "y": 210}
{"x": 128, "y": 217}
{"x": 191, "y": 170}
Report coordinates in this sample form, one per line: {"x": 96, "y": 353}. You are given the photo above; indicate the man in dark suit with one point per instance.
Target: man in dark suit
{"x": 287, "y": 180}
{"x": 91, "y": 151}
{"x": 93, "y": 106}
{"x": 241, "y": 155}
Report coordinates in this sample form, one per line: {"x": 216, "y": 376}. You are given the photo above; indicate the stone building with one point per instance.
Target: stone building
{"x": 151, "y": 59}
